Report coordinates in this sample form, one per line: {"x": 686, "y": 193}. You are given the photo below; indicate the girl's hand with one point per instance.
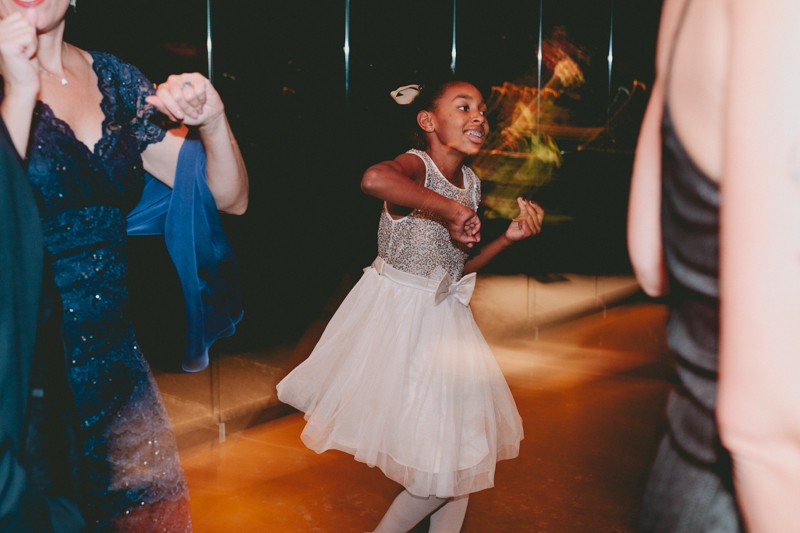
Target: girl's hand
{"x": 189, "y": 98}
{"x": 464, "y": 225}
{"x": 528, "y": 223}
{"x": 18, "y": 45}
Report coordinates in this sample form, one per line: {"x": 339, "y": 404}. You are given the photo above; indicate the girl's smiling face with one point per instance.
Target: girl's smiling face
{"x": 458, "y": 118}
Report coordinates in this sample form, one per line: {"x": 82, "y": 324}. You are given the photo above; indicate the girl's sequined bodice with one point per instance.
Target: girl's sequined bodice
{"x": 420, "y": 243}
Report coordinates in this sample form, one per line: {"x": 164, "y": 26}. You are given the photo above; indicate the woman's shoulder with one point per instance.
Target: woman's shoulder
{"x": 124, "y": 85}
{"x": 113, "y": 67}
{"x": 106, "y": 59}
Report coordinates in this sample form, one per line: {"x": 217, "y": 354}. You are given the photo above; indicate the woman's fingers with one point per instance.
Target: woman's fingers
{"x": 18, "y": 45}
{"x": 18, "y": 36}
{"x": 182, "y": 97}
{"x": 190, "y": 94}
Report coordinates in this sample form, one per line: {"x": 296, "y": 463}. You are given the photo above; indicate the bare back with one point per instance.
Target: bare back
{"x": 732, "y": 92}
{"x": 696, "y": 75}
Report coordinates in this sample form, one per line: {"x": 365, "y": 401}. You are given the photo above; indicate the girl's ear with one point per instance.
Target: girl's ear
{"x": 425, "y": 121}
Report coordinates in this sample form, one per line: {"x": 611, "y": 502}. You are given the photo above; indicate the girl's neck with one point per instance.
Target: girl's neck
{"x": 449, "y": 163}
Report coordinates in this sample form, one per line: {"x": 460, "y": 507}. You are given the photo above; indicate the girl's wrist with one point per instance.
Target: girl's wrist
{"x": 441, "y": 206}
{"x": 506, "y": 241}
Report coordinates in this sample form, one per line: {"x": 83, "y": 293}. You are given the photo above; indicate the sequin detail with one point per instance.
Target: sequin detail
{"x": 420, "y": 243}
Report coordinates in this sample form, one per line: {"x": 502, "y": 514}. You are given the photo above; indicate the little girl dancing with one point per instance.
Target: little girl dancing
{"x": 402, "y": 377}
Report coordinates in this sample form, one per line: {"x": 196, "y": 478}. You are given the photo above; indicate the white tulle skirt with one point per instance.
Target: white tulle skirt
{"x": 409, "y": 386}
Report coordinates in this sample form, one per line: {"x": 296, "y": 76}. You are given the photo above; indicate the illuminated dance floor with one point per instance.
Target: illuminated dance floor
{"x": 586, "y": 362}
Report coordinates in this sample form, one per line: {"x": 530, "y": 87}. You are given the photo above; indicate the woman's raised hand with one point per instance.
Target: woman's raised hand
{"x": 528, "y": 223}
{"x": 18, "y": 45}
{"x": 188, "y": 98}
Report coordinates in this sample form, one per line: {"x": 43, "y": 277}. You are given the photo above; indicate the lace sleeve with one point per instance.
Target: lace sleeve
{"x": 144, "y": 123}
{"x": 132, "y": 87}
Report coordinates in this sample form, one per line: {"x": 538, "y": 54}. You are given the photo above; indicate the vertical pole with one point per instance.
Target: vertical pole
{"x": 453, "y": 48}
{"x": 209, "y": 42}
{"x": 610, "y": 56}
{"x": 539, "y": 69}
{"x": 213, "y": 364}
{"x": 346, "y": 48}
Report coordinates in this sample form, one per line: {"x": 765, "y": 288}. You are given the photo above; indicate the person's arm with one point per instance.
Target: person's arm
{"x": 527, "y": 224}
{"x": 398, "y": 182}
{"x": 759, "y": 392}
{"x": 644, "y": 204}
{"x": 192, "y": 100}
{"x": 18, "y": 44}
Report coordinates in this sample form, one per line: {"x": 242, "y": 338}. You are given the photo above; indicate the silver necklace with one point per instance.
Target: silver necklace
{"x": 61, "y": 79}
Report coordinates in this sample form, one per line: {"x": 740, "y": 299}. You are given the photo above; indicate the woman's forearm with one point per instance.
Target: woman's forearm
{"x": 759, "y": 397}
{"x": 225, "y": 169}
{"x": 17, "y": 113}
{"x": 644, "y": 208}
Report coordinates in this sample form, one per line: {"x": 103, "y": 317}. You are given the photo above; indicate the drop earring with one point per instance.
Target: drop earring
{"x": 74, "y": 5}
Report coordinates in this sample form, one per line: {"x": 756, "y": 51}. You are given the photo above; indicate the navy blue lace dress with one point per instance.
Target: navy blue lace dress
{"x": 130, "y": 477}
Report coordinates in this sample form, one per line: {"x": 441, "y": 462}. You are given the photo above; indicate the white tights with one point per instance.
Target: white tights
{"x": 408, "y": 510}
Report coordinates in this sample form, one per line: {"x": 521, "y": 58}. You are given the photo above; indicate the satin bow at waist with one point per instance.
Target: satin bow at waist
{"x": 440, "y": 288}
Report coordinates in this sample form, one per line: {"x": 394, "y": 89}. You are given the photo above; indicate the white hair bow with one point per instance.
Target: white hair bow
{"x": 405, "y": 95}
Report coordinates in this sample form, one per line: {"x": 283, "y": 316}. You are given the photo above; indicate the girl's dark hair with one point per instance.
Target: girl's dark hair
{"x": 431, "y": 92}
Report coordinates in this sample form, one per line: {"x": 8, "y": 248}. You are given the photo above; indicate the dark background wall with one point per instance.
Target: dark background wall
{"x": 310, "y": 120}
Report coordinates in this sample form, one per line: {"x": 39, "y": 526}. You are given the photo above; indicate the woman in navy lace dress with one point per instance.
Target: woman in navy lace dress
{"x": 83, "y": 122}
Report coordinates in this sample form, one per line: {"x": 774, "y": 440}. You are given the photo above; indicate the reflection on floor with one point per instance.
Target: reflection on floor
{"x": 589, "y": 384}
{"x": 238, "y": 390}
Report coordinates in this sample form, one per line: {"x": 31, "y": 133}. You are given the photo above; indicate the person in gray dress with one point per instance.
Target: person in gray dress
{"x": 712, "y": 225}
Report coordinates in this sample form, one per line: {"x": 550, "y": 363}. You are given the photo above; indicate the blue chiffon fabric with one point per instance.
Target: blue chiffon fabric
{"x": 187, "y": 217}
